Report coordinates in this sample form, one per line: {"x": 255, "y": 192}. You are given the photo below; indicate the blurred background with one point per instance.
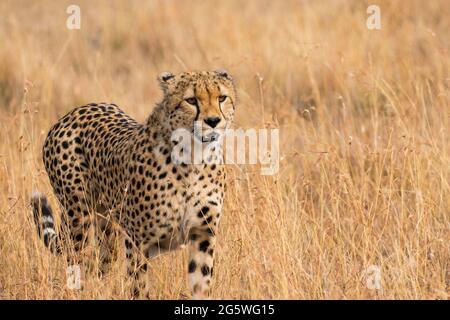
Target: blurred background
{"x": 363, "y": 115}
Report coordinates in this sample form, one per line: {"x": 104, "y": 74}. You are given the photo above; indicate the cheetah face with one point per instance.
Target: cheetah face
{"x": 201, "y": 102}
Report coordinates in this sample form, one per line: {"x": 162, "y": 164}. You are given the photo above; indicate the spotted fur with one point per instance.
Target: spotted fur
{"x": 105, "y": 167}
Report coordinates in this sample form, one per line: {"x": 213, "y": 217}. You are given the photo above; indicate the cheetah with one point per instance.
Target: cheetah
{"x": 106, "y": 168}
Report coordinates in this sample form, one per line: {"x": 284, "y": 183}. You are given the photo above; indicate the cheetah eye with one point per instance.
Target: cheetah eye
{"x": 192, "y": 101}
{"x": 222, "y": 98}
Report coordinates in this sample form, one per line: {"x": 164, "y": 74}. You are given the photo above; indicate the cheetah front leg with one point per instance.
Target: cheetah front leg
{"x": 200, "y": 266}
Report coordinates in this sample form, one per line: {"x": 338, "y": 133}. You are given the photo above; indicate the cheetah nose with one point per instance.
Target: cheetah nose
{"x": 212, "y": 121}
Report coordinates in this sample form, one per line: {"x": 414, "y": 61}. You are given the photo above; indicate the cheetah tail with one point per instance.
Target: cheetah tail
{"x": 43, "y": 218}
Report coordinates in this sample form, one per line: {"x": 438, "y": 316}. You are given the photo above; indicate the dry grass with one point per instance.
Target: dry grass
{"x": 364, "y": 133}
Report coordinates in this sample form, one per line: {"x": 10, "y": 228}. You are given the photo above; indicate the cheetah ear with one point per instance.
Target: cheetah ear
{"x": 165, "y": 79}
{"x": 223, "y": 73}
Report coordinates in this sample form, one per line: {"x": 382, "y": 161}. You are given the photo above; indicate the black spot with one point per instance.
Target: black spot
{"x": 193, "y": 237}
{"x": 205, "y": 270}
{"x": 203, "y": 212}
{"x": 162, "y": 175}
{"x": 192, "y": 266}
{"x": 207, "y": 220}
{"x": 203, "y": 245}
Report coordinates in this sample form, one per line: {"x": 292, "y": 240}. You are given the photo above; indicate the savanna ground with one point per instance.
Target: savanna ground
{"x": 364, "y": 116}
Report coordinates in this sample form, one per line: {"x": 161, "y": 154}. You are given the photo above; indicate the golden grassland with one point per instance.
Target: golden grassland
{"x": 364, "y": 121}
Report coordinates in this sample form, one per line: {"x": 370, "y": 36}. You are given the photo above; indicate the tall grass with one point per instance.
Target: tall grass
{"x": 364, "y": 116}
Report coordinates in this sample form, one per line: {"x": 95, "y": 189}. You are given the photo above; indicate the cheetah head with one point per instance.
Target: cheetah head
{"x": 201, "y": 102}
